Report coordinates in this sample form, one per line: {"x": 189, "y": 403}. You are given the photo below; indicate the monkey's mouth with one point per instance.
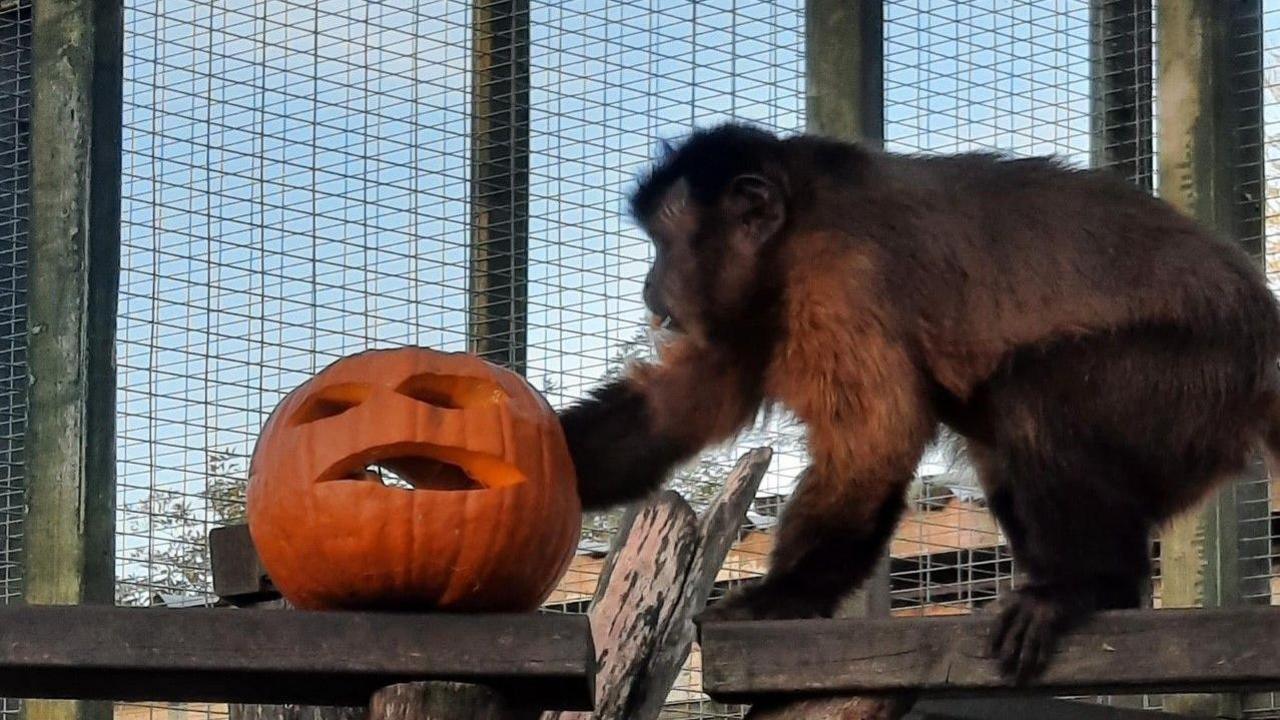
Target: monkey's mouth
{"x": 665, "y": 323}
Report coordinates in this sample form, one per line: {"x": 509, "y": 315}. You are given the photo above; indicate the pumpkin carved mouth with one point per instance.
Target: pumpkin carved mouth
{"x": 422, "y": 466}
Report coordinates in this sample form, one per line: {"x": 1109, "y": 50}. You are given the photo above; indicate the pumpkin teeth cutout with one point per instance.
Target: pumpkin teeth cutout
{"x": 452, "y": 392}
{"x": 418, "y": 473}
{"x": 421, "y": 466}
{"x": 330, "y": 402}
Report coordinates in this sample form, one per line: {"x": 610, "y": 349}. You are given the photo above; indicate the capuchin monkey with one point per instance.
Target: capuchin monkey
{"x": 1106, "y": 361}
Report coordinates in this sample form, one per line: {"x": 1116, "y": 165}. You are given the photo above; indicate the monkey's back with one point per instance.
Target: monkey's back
{"x": 992, "y": 254}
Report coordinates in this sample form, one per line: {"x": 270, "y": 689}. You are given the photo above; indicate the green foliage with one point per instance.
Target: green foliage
{"x": 175, "y": 526}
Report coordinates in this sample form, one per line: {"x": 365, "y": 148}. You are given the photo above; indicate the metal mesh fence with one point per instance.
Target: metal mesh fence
{"x": 304, "y": 180}
{"x": 988, "y": 75}
{"x": 1259, "y": 504}
{"x": 15, "y": 105}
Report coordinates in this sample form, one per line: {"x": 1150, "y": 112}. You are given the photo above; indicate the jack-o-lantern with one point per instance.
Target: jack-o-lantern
{"x": 489, "y": 524}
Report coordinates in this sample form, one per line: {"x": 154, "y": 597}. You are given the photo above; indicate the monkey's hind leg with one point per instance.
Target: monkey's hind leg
{"x": 1094, "y": 442}
{"x": 1082, "y": 545}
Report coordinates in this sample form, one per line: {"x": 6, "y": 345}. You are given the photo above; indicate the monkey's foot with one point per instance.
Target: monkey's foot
{"x": 1026, "y": 631}
{"x": 760, "y": 602}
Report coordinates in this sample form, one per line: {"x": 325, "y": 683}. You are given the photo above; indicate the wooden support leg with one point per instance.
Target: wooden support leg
{"x": 442, "y": 701}
{"x": 837, "y": 708}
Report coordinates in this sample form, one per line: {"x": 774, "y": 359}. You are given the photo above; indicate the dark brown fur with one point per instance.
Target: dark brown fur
{"x": 1106, "y": 360}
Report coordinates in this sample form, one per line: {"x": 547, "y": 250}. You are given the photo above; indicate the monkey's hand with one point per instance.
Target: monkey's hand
{"x": 618, "y": 452}
{"x": 765, "y": 602}
{"x": 627, "y": 436}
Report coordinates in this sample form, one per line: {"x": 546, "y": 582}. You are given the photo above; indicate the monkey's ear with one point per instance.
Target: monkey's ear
{"x": 755, "y": 203}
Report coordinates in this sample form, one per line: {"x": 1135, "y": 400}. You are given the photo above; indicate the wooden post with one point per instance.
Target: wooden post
{"x": 499, "y": 181}
{"x": 844, "y": 69}
{"x": 74, "y": 256}
{"x": 442, "y": 701}
{"x": 1199, "y": 160}
{"x": 655, "y": 581}
{"x": 844, "y": 98}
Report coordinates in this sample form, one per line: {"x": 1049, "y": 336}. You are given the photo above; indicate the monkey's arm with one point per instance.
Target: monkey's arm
{"x": 627, "y": 435}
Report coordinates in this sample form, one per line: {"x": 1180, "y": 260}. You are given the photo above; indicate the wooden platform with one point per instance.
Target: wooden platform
{"x": 261, "y": 656}
{"x": 1121, "y": 652}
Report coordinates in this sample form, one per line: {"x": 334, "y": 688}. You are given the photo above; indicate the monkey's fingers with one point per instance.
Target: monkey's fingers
{"x": 1008, "y": 637}
{"x": 1038, "y": 643}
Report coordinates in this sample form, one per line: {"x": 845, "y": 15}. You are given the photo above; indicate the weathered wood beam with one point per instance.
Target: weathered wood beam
{"x": 72, "y": 282}
{"x": 444, "y": 701}
{"x": 844, "y": 69}
{"x": 542, "y": 661}
{"x": 1014, "y": 708}
{"x": 656, "y": 580}
{"x": 1210, "y": 164}
{"x": 238, "y": 574}
{"x": 1130, "y": 651}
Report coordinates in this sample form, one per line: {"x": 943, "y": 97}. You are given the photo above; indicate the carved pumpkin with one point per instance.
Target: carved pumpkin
{"x": 490, "y": 523}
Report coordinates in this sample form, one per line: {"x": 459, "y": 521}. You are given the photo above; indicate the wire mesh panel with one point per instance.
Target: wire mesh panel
{"x": 1260, "y": 507}
{"x": 304, "y": 180}
{"x": 959, "y": 77}
{"x": 15, "y": 105}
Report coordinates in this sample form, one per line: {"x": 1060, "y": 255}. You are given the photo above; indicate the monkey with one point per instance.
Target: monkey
{"x": 1106, "y": 361}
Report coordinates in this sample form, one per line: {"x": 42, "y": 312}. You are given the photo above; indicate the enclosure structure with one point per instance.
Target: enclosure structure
{"x": 301, "y": 180}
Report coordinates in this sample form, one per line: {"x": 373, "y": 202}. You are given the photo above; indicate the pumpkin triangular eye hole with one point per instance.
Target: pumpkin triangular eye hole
{"x": 330, "y": 402}
{"x": 452, "y": 392}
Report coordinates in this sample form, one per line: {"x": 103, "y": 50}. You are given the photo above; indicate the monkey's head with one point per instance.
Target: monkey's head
{"x": 715, "y": 208}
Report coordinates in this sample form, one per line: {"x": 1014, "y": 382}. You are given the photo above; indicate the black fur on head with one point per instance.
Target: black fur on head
{"x": 715, "y": 206}
{"x": 708, "y": 159}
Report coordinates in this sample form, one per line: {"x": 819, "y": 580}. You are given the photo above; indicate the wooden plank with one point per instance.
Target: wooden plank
{"x": 288, "y": 711}
{"x": 1014, "y": 708}
{"x": 314, "y": 658}
{"x": 238, "y": 574}
{"x": 628, "y": 613}
{"x": 717, "y": 530}
{"x": 1131, "y": 651}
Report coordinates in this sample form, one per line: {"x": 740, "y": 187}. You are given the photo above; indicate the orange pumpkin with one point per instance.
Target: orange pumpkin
{"x": 490, "y": 523}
